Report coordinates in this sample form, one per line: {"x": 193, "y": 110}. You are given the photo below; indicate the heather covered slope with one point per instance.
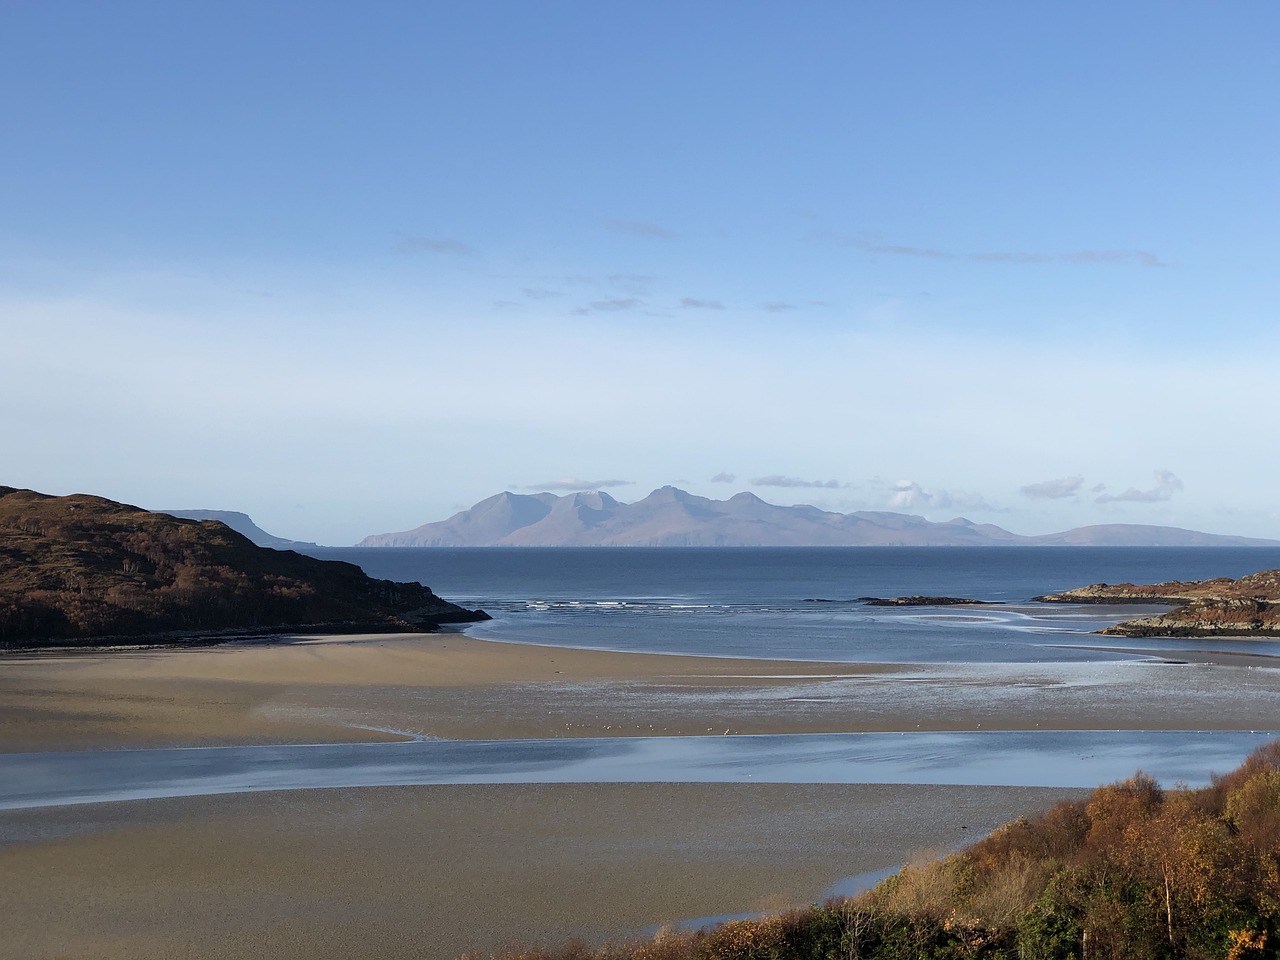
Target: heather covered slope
{"x": 80, "y": 567}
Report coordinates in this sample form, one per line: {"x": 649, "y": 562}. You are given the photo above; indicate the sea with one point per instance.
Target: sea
{"x": 807, "y": 603}
{"x": 779, "y": 604}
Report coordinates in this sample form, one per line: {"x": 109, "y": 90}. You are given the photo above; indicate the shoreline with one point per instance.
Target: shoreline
{"x": 288, "y": 634}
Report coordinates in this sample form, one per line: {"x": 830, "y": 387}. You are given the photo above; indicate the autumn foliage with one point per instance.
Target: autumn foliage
{"x": 1133, "y": 872}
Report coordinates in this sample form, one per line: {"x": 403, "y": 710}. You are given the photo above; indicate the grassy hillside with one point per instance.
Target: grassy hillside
{"x": 82, "y": 568}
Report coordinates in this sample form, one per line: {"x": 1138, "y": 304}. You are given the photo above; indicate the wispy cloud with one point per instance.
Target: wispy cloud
{"x": 778, "y": 480}
{"x": 408, "y": 243}
{"x": 636, "y": 284}
{"x": 614, "y": 305}
{"x": 1053, "y": 489}
{"x": 909, "y": 495}
{"x": 1166, "y": 486}
{"x": 540, "y": 293}
{"x": 1139, "y": 258}
{"x": 638, "y": 228}
{"x": 572, "y": 484}
{"x": 724, "y": 477}
{"x": 693, "y": 303}
{"x": 779, "y": 307}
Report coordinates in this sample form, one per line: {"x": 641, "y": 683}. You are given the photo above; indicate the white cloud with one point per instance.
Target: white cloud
{"x": 638, "y": 228}
{"x": 1053, "y": 489}
{"x": 909, "y": 495}
{"x": 1166, "y": 486}
{"x": 1140, "y": 258}
{"x": 569, "y": 483}
{"x": 635, "y": 284}
{"x": 613, "y": 305}
{"x": 777, "y": 480}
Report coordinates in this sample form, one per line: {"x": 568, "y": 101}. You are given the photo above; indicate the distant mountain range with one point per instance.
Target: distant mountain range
{"x": 670, "y": 517}
{"x": 241, "y": 524}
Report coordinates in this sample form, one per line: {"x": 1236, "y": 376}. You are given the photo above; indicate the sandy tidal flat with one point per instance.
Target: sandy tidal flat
{"x": 451, "y": 686}
{"x": 435, "y": 870}
{"x": 430, "y": 872}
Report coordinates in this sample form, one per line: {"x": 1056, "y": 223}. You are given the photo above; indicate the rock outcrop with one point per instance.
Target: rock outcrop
{"x": 82, "y": 569}
{"x": 1249, "y": 606}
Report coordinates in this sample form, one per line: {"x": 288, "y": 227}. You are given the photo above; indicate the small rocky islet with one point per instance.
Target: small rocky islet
{"x": 920, "y": 601}
{"x": 1244, "y": 607}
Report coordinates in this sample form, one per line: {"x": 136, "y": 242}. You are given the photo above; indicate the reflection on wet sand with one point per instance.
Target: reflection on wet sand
{"x": 996, "y": 758}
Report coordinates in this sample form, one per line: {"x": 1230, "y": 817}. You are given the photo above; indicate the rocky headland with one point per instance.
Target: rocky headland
{"x": 1249, "y": 606}
{"x": 85, "y": 570}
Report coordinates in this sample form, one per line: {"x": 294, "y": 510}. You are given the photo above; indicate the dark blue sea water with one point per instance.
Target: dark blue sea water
{"x": 801, "y": 603}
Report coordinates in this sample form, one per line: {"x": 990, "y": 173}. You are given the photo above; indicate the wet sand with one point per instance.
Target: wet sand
{"x": 449, "y": 685}
{"x": 430, "y": 872}
{"x": 326, "y": 689}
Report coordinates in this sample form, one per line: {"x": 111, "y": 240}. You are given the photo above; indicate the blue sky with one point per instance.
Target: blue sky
{"x": 352, "y": 267}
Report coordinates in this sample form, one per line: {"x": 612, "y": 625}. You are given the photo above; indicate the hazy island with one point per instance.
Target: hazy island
{"x": 1249, "y": 606}
{"x": 241, "y": 523}
{"x": 82, "y": 569}
{"x": 671, "y": 517}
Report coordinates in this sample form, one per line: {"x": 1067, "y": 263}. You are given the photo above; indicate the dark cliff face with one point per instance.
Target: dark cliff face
{"x": 79, "y": 567}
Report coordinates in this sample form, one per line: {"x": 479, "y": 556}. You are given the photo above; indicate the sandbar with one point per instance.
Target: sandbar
{"x": 386, "y": 687}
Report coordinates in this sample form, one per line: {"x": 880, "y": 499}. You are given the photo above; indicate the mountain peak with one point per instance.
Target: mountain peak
{"x": 594, "y": 499}
{"x": 668, "y": 492}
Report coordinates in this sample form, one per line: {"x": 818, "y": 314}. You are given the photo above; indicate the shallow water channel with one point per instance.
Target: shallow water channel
{"x": 996, "y": 758}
